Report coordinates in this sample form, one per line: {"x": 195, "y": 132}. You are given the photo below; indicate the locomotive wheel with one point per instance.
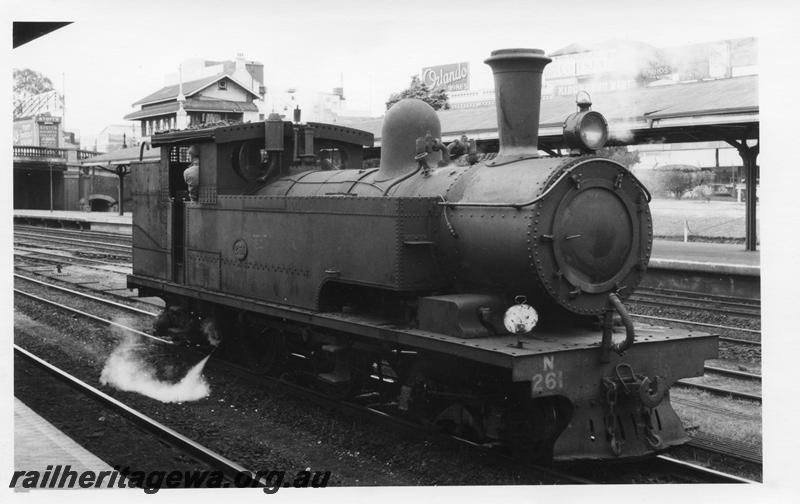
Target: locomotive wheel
{"x": 457, "y": 420}
{"x": 347, "y": 377}
{"x": 265, "y": 351}
{"x": 340, "y": 391}
{"x": 175, "y": 321}
{"x": 532, "y": 428}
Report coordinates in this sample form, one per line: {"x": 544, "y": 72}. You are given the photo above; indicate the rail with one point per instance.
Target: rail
{"x": 228, "y": 467}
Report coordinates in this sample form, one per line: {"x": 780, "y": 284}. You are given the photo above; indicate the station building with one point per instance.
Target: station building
{"x": 203, "y": 92}
{"x": 117, "y": 136}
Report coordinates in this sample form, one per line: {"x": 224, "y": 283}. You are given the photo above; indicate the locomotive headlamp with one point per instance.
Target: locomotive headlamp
{"x": 521, "y": 318}
{"x": 585, "y": 130}
{"x": 583, "y": 100}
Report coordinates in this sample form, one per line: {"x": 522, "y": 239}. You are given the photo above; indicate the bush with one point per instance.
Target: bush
{"x": 674, "y": 182}
{"x": 677, "y": 180}
{"x": 703, "y": 191}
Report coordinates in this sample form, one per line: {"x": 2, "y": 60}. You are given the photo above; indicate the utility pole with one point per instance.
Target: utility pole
{"x": 50, "y": 166}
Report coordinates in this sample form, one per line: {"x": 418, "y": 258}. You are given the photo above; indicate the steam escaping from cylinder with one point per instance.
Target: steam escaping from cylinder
{"x": 128, "y": 369}
{"x": 209, "y": 330}
{"x": 518, "y": 95}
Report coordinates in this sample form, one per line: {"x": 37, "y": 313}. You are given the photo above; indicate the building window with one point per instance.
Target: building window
{"x": 222, "y": 85}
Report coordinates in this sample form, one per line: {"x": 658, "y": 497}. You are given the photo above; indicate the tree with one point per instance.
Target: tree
{"x": 677, "y": 180}
{"x": 436, "y": 98}
{"x": 27, "y": 83}
{"x": 621, "y": 155}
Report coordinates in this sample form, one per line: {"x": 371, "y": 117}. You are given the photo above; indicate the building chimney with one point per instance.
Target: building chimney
{"x": 518, "y": 94}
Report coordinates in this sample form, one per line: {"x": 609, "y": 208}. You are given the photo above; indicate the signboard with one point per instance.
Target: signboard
{"x": 452, "y": 77}
{"x": 48, "y": 134}
{"x": 23, "y": 132}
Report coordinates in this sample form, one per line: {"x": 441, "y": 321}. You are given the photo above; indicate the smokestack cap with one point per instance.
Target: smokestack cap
{"x": 522, "y": 54}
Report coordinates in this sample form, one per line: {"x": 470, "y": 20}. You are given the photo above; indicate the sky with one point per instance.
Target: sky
{"x": 118, "y": 52}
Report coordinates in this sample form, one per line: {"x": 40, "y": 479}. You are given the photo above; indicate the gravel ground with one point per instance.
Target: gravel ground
{"x": 106, "y": 434}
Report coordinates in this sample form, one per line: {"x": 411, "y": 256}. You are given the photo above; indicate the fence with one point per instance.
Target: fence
{"x": 35, "y": 152}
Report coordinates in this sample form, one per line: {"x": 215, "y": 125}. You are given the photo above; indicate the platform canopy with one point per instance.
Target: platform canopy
{"x": 713, "y": 110}
{"x": 123, "y": 157}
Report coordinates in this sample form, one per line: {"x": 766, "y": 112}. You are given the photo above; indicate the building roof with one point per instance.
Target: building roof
{"x": 123, "y": 156}
{"x": 193, "y": 105}
{"x": 610, "y": 44}
{"x": 714, "y": 102}
{"x": 189, "y": 88}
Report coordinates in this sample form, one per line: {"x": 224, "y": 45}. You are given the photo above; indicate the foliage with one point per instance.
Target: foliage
{"x": 621, "y": 155}
{"x": 27, "y": 83}
{"x": 677, "y": 180}
{"x": 436, "y": 98}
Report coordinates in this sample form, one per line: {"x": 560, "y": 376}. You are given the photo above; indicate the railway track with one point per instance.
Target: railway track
{"x": 152, "y": 310}
{"x": 726, "y": 447}
{"x": 359, "y": 409}
{"x": 719, "y": 391}
{"x": 33, "y": 253}
{"x": 746, "y": 307}
{"x": 694, "y": 473}
{"x": 743, "y": 375}
{"x": 95, "y": 253}
{"x": 118, "y": 238}
{"x": 232, "y": 470}
{"x": 668, "y": 302}
{"x": 78, "y": 242}
{"x": 704, "y": 325}
{"x": 719, "y": 298}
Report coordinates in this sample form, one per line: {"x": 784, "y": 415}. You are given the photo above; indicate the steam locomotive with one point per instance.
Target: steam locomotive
{"x": 482, "y": 296}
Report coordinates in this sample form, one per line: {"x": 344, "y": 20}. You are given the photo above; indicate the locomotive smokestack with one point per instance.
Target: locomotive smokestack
{"x": 518, "y": 93}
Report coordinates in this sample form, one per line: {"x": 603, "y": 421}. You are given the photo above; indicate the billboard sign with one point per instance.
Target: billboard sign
{"x": 48, "y": 131}
{"x": 452, "y": 77}
{"x": 23, "y": 132}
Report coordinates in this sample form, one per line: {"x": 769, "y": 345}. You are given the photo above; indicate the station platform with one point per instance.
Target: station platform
{"x": 723, "y": 258}
{"x": 718, "y": 258}
{"x": 38, "y": 444}
{"x": 110, "y": 222}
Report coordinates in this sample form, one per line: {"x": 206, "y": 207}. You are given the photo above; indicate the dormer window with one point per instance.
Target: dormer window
{"x": 222, "y": 85}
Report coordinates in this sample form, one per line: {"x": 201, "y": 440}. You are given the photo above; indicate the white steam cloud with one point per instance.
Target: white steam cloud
{"x": 126, "y": 370}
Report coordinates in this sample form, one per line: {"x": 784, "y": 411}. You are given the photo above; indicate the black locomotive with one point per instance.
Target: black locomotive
{"x": 419, "y": 281}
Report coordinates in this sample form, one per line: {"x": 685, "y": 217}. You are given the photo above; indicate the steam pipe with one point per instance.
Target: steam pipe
{"x": 518, "y": 93}
{"x": 523, "y": 204}
{"x": 607, "y": 343}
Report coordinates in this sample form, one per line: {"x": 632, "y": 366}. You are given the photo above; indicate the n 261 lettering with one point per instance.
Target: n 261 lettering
{"x": 553, "y": 380}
